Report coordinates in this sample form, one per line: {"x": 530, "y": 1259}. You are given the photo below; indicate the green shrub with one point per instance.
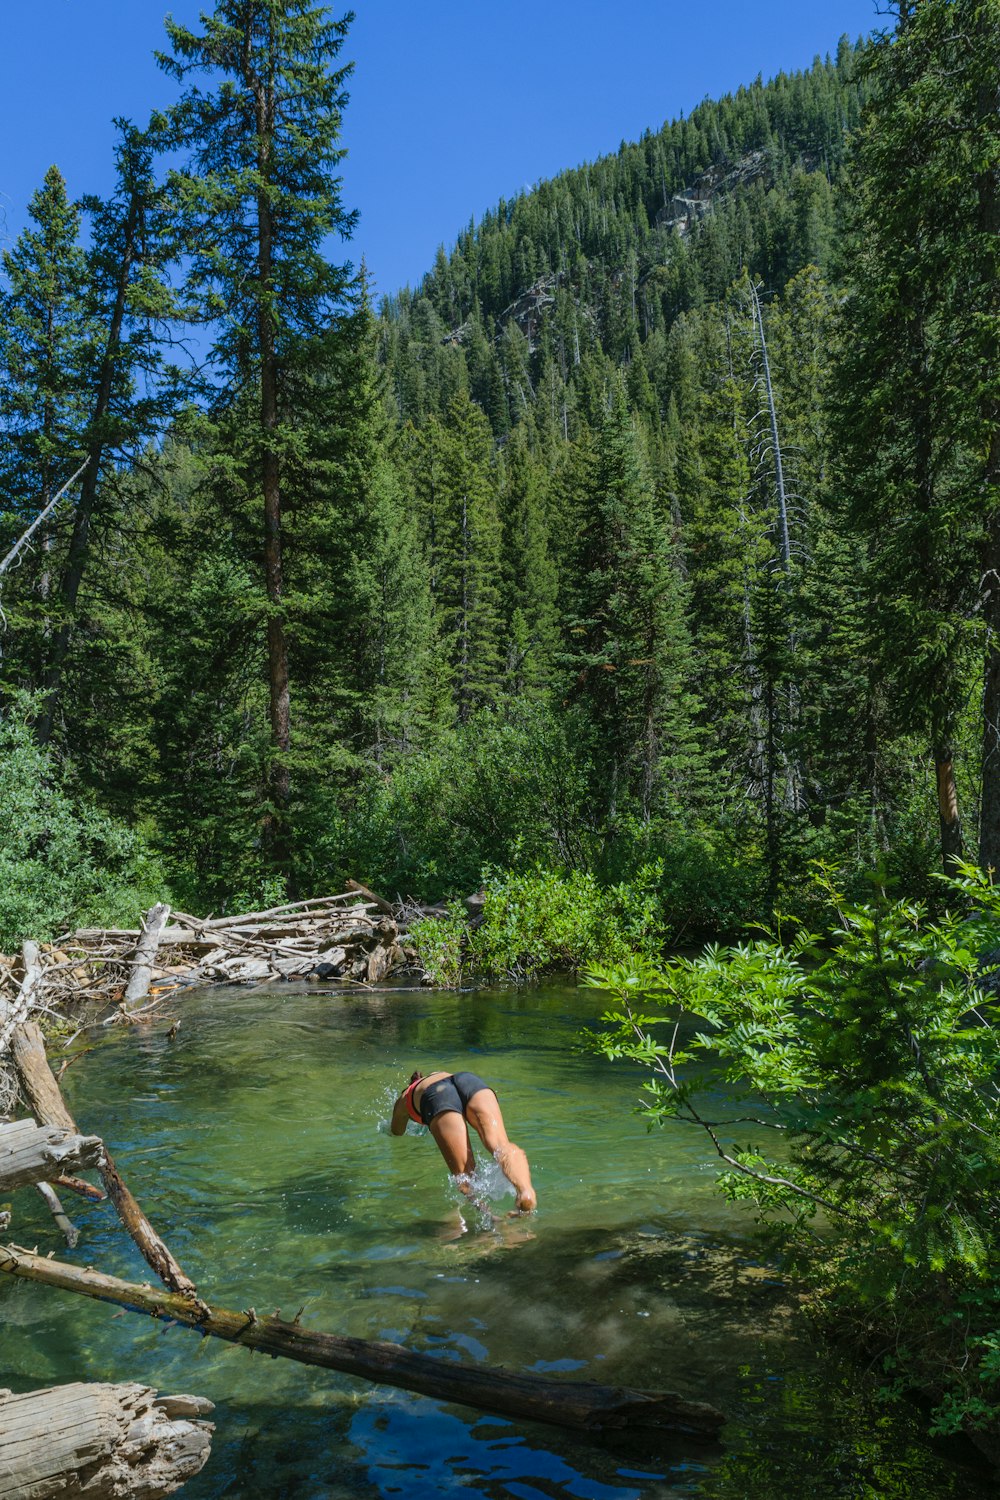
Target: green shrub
{"x": 868, "y": 1066}
{"x": 62, "y": 863}
{"x": 545, "y": 920}
{"x": 440, "y": 945}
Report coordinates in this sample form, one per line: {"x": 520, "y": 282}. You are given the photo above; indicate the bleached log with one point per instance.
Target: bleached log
{"x": 583, "y": 1405}
{"x": 31, "y": 1153}
{"x": 100, "y": 1441}
{"x": 12, "y": 1014}
{"x": 243, "y": 970}
{"x": 25, "y": 537}
{"x": 145, "y": 954}
{"x": 47, "y": 1105}
{"x": 289, "y": 908}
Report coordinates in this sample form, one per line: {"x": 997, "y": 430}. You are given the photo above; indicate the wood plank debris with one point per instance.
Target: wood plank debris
{"x": 102, "y": 1441}
{"x": 30, "y": 1153}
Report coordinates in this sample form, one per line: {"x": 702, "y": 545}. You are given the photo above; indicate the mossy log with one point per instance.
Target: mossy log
{"x": 581, "y": 1405}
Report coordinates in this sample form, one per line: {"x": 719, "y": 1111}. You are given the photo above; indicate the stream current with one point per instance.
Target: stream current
{"x": 256, "y": 1142}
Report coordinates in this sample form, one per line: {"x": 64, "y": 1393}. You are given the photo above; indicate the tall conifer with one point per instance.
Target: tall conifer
{"x": 530, "y": 581}
{"x": 259, "y": 197}
{"x": 130, "y": 392}
{"x": 44, "y": 368}
{"x": 634, "y": 658}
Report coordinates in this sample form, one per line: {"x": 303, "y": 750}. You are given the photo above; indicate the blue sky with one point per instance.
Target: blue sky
{"x": 454, "y": 103}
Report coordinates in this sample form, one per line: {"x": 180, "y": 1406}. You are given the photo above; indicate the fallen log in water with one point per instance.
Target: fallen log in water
{"x": 54, "y": 1204}
{"x": 102, "y": 1441}
{"x": 42, "y": 1092}
{"x": 584, "y": 1406}
{"x": 82, "y": 1189}
{"x": 31, "y": 1153}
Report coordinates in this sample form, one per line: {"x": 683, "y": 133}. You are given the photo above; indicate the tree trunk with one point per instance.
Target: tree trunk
{"x": 79, "y": 546}
{"x": 102, "y": 1441}
{"x": 584, "y": 1406}
{"x": 952, "y": 845}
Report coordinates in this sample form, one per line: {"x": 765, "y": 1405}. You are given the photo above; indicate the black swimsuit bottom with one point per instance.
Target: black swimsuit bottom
{"x": 449, "y": 1095}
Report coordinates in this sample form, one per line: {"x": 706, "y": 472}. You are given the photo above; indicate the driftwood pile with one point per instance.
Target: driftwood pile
{"x": 353, "y": 939}
{"x": 333, "y": 937}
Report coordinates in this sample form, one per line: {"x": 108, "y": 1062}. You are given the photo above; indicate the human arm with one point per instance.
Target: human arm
{"x": 400, "y": 1115}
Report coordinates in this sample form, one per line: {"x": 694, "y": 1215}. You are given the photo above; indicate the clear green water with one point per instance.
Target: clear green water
{"x": 253, "y": 1143}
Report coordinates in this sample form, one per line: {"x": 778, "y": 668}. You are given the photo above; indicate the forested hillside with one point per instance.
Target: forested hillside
{"x": 588, "y": 556}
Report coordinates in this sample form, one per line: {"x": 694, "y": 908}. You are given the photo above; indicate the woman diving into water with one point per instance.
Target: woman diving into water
{"x": 448, "y": 1103}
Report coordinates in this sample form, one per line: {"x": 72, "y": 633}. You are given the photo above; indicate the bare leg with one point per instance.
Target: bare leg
{"x": 483, "y": 1112}
{"x": 452, "y": 1136}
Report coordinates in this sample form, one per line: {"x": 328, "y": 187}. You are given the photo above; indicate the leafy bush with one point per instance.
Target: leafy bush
{"x": 440, "y": 945}
{"x": 871, "y": 1065}
{"x": 62, "y": 863}
{"x": 537, "y": 921}
{"x": 544, "y": 920}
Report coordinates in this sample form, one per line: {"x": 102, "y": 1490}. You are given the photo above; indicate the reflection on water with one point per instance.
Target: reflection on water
{"x": 257, "y": 1142}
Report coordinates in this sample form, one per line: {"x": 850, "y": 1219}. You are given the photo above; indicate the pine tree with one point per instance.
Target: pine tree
{"x": 359, "y": 597}
{"x": 43, "y": 351}
{"x": 44, "y": 358}
{"x": 259, "y": 197}
{"x": 130, "y": 393}
{"x": 530, "y": 581}
{"x": 906, "y": 418}
{"x": 467, "y": 595}
{"x": 633, "y": 663}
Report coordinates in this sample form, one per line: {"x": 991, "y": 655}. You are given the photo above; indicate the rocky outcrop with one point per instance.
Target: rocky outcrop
{"x": 688, "y": 207}
{"x": 527, "y": 311}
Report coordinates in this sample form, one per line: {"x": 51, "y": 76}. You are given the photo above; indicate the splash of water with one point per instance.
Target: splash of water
{"x": 380, "y": 1110}
{"x": 482, "y": 1188}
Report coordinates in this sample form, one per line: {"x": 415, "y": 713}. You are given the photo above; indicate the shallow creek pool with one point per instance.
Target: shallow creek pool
{"x": 256, "y": 1143}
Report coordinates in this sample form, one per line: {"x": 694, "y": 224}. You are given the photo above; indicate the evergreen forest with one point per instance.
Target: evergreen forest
{"x": 622, "y": 545}
{"x": 647, "y": 539}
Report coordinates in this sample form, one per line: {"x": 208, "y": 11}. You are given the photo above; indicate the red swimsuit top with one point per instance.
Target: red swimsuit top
{"x": 408, "y": 1097}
